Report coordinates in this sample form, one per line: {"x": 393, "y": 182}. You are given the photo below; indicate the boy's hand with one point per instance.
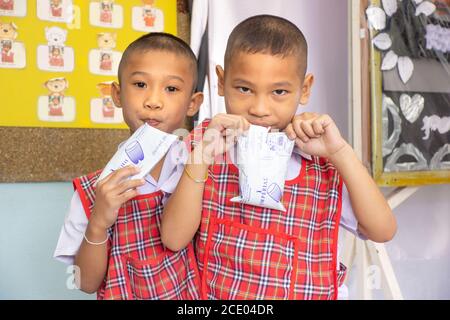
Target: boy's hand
{"x": 111, "y": 193}
{"x": 222, "y": 134}
{"x": 315, "y": 134}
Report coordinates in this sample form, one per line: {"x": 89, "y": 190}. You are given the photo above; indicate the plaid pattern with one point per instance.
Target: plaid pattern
{"x": 139, "y": 266}
{"x": 248, "y": 252}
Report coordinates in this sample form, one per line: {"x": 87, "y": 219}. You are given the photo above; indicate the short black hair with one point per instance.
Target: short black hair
{"x": 268, "y": 34}
{"x": 160, "y": 41}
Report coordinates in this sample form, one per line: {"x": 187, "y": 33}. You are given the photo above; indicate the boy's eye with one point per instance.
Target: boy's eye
{"x": 171, "y": 89}
{"x": 141, "y": 85}
{"x": 280, "y": 92}
{"x": 243, "y": 90}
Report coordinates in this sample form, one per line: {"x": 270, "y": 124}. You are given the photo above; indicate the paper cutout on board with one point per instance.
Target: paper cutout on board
{"x": 106, "y": 13}
{"x": 56, "y": 56}
{"x": 406, "y": 149}
{"x": 55, "y": 10}
{"x": 382, "y": 41}
{"x": 148, "y": 18}
{"x": 376, "y": 17}
{"x": 435, "y": 123}
{"x": 426, "y": 7}
{"x": 390, "y": 7}
{"x": 105, "y": 60}
{"x": 412, "y": 107}
{"x": 13, "y": 8}
{"x": 405, "y": 68}
{"x": 13, "y": 55}
{"x": 389, "y": 61}
{"x": 390, "y": 140}
{"x": 438, "y": 162}
{"x": 437, "y": 38}
{"x": 103, "y": 110}
{"x": 56, "y": 107}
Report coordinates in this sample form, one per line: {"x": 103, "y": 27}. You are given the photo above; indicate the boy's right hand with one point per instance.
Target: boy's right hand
{"x": 111, "y": 193}
{"x": 222, "y": 133}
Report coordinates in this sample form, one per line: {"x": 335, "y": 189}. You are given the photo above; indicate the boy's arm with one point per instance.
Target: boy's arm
{"x": 111, "y": 193}
{"x": 182, "y": 212}
{"x": 375, "y": 218}
{"x": 318, "y": 135}
{"x": 92, "y": 260}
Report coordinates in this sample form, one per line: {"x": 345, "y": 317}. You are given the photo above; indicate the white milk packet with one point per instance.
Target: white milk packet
{"x": 143, "y": 149}
{"x": 262, "y": 159}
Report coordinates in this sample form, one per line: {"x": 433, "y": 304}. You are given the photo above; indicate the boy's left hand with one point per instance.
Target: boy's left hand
{"x": 315, "y": 134}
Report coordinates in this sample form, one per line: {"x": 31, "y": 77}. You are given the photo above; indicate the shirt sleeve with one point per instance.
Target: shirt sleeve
{"x": 72, "y": 232}
{"x": 348, "y": 219}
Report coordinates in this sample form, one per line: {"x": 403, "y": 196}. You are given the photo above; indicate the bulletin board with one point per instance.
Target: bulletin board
{"x": 37, "y": 143}
{"x": 410, "y": 91}
{"x": 65, "y": 59}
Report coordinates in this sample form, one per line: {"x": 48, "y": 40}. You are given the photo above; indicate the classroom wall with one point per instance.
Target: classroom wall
{"x": 31, "y": 216}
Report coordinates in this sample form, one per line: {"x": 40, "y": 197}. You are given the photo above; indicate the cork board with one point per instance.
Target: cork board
{"x": 47, "y": 154}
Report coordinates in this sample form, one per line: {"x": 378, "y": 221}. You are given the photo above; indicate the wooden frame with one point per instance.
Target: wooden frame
{"x": 406, "y": 178}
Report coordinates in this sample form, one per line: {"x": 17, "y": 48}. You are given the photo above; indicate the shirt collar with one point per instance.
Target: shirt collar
{"x": 301, "y": 153}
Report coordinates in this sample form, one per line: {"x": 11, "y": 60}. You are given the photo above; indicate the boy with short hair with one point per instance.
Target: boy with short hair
{"x": 111, "y": 232}
{"x": 249, "y": 252}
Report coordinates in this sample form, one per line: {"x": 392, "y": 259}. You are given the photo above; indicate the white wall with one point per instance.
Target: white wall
{"x": 324, "y": 25}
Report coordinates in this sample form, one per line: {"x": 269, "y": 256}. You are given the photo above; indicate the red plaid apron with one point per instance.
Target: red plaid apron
{"x": 139, "y": 266}
{"x": 248, "y": 252}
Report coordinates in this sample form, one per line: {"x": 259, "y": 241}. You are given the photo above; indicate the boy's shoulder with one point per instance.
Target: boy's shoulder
{"x": 86, "y": 182}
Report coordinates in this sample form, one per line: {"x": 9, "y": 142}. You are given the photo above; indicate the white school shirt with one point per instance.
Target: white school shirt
{"x": 76, "y": 222}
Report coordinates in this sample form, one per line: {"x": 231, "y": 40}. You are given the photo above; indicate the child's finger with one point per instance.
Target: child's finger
{"x": 244, "y": 125}
{"x": 127, "y": 185}
{"x": 127, "y": 195}
{"x": 299, "y": 131}
{"x": 318, "y": 128}
{"x": 307, "y": 128}
{"x": 119, "y": 175}
{"x": 290, "y": 132}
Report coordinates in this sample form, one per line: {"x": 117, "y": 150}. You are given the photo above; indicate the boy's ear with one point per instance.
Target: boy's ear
{"x": 220, "y": 79}
{"x": 196, "y": 102}
{"x": 115, "y": 94}
{"x": 306, "y": 88}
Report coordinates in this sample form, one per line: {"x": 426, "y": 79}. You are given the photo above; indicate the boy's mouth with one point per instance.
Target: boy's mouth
{"x": 153, "y": 122}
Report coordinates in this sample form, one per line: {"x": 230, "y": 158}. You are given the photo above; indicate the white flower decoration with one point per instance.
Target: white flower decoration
{"x": 377, "y": 20}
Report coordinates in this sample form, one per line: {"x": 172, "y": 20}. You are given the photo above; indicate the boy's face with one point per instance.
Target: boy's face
{"x": 264, "y": 89}
{"x": 156, "y": 88}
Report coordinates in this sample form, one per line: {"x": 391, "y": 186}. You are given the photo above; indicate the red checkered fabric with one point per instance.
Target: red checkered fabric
{"x": 248, "y": 252}
{"x": 139, "y": 266}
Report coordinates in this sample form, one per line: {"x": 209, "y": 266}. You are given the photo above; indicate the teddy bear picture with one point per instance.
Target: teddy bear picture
{"x": 55, "y": 106}
{"x": 105, "y": 60}
{"x": 13, "y": 8}
{"x": 55, "y": 10}
{"x": 106, "y": 13}
{"x": 12, "y": 52}
{"x": 148, "y": 18}
{"x": 56, "y": 56}
{"x": 7, "y": 5}
{"x": 103, "y": 109}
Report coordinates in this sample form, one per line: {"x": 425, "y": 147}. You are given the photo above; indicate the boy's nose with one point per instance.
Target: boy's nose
{"x": 153, "y": 103}
{"x": 259, "y": 108}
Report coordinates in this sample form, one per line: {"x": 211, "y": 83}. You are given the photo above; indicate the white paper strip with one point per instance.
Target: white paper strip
{"x": 426, "y": 7}
{"x": 376, "y": 17}
{"x": 390, "y": 7}
{"x": 405, "y": 68}
{"x": 390, "y": 61}
{"x": 382, "y": 41}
